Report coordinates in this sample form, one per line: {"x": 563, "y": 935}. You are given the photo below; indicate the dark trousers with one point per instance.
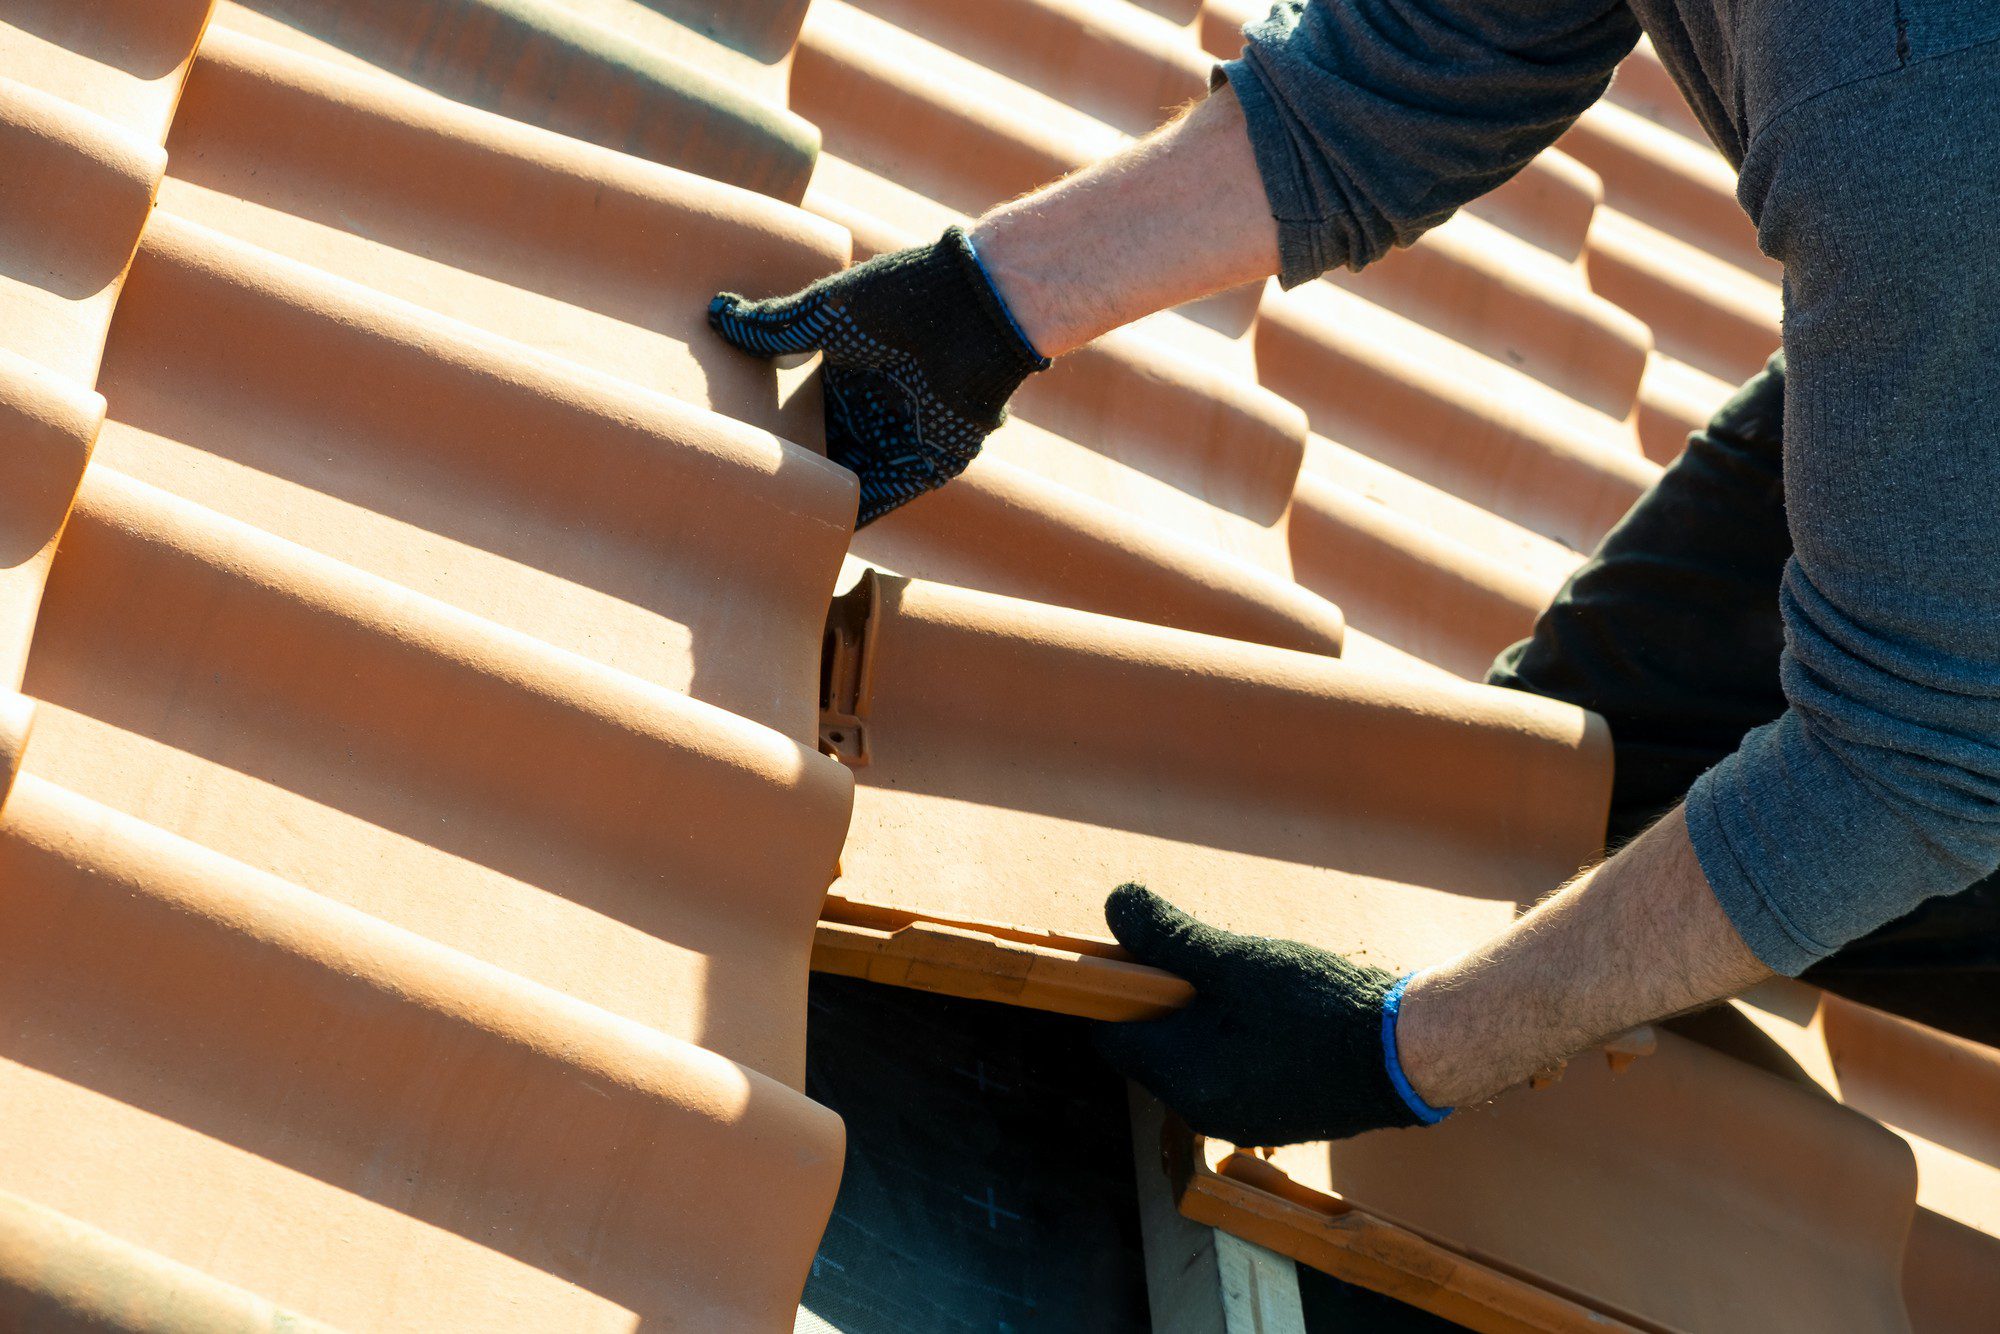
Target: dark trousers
{"x": 1671, "y": 632}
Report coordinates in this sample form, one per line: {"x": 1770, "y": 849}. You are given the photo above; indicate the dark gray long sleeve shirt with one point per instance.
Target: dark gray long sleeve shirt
{"x": 1867, "y": 134}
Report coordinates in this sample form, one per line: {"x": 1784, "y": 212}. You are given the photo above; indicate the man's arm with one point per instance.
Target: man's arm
{"x": 1635, "y": 939}
{"x": 1284, "y": 1042}
{"x": 1177, "y": 216}
{"x": 923, "y": 347}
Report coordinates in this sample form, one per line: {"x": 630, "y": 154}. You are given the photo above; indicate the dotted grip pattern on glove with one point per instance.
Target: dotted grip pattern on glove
{"x": 919, "y": 358}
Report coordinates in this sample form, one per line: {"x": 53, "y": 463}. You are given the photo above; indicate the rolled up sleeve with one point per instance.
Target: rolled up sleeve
{"x": 1373, "y": 121}
{"x": 1880, "y": 785}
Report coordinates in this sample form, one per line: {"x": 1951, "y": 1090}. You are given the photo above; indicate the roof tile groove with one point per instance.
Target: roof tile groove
{"x": 1209, "y": 432}
{"x": 590, "y": 254}
{"x": 1007, "y": 530}
{"x": 372, "y": 745}
{"x": 1114, "y": 62}
{"x": 366, "y": 1127}
{"x": 1684, "y": 186}
{"x": 1420, "y": 403}
{"x": 230, "y": 371}
{"x": 1703, "y": 310}
{"x": 1229, "y": 776}
{"x": 1496, "y": 538}
{"x": 1475, "y": 284}
{"x": 539, "y": 63}
{"x": 764, "y": 30}
{"x": 1420, "y": 589}
{"x": 1731, "y": 1162}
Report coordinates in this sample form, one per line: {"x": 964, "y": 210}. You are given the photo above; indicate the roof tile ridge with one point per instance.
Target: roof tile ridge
{"x": 234, "y": 54}
{"x": 78, "y": 189}
{"x": 1260, "y": 708}
{"x": 1002, "y": 526}
{"x": 599, "y": 85}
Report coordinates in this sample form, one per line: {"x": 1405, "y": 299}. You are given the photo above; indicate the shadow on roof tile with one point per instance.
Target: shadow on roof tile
{"x": 537, "y": 62}
{"x": 57, "y": 1274}
{"x": 517, "y": 802}
{"x": 660, "y": 539}
{"x": 1533, "y": 1201}
{"x": 359, "y": 1124}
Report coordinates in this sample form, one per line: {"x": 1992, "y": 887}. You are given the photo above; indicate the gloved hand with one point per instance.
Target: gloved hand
{"x": 1283, "y": 1042}
{"x": 921, "y": 355}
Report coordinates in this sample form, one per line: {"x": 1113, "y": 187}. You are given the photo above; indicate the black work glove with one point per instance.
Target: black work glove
{"x": 1283, "y": 1042}
{"x": 920, "y": 359}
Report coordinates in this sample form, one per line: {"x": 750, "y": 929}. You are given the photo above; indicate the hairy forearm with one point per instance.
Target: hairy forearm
{"x": 1635, "y": 939}
{"x": 1178, "y": 215}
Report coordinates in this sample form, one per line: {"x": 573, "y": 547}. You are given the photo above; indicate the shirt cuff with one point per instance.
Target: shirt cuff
{"x": 1303, "y": 251}
{"x": 1764, "y": 927}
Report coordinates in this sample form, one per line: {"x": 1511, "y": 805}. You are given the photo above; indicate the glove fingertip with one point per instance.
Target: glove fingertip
{"x": 1132, "y": 913}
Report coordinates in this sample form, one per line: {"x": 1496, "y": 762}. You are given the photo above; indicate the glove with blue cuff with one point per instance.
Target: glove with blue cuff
{"x": 921, "y": 355}
{"x": 1282, "y": 1044}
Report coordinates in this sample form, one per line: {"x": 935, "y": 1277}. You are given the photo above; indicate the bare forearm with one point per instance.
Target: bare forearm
{"x": 1180, "y": 214}
{"x": 1636, "y": 939}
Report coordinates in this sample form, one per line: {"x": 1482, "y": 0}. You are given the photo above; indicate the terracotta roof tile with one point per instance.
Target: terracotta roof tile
{"x": 1938, "y": 1092}
{"x": 1682, "y": 185}
{"x": 324, "y": 725}
{"x": 966, "y": 818}
{"x": 1705, "y": 311}
{"x": 593, "y": 255}
{"x": 1422, "y": 403}
{"x": 1546, "y": 1184}
{"x": 43, "y": 1253}
{"x": 122, "y": 60}
{"x": 1643, "y": 85}
{"x": 1675, "y": 400}
{"x": 436, "y": 477}
{"x": 615, "y": 84}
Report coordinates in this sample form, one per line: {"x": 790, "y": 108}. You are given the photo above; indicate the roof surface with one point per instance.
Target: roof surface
{"x": 440, "y": 752}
